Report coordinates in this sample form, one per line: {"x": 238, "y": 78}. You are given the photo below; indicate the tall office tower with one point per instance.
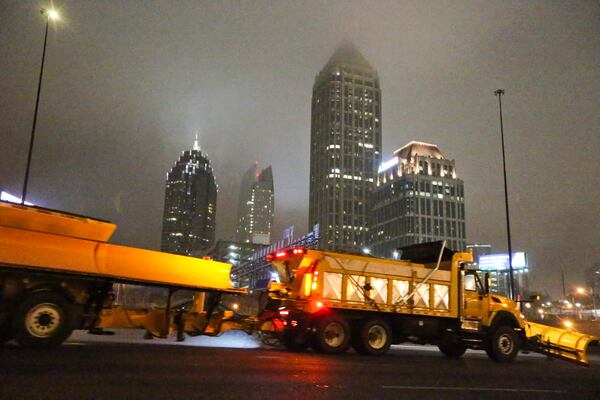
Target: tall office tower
{"x": 345, "y": 149}
{"x": 190, "y": 205}
{"x": 418, "y": 198}
{"x": 256, "y": 207}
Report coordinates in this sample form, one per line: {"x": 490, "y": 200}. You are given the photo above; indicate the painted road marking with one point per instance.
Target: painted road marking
{"x": 473, "y": 389}
{"x": 270, "y": 357}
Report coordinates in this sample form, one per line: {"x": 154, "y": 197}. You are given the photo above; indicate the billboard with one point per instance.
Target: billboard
{"x": 499, "y": 262}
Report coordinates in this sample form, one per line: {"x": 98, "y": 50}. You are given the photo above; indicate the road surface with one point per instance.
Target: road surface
{"x": 126, "y": 367}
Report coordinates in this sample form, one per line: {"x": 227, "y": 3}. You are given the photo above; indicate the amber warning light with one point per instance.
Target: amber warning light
{"x": 284, "y": 254}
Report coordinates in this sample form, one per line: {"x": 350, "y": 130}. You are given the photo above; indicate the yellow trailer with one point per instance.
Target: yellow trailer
{"x": 332, "y": 301}
{"x": 57, "y": 272}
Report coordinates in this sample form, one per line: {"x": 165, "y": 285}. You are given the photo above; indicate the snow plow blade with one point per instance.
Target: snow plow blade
{"x": 559, "y": 343}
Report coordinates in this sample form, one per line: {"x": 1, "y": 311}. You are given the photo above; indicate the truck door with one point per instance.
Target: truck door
{"x": 475, "y": 302}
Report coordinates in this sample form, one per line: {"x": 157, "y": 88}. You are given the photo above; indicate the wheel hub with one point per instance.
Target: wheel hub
{"x": 377, "y": 337}
{"x": 43, "y": 320}
{"x": 505, "y": 344}
{"x": 334, "y": 334}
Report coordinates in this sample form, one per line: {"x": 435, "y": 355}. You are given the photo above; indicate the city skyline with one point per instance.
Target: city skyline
{"x": 112, "y": 100}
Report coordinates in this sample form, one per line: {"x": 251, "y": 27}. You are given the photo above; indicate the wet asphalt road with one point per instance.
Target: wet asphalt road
{"x": 129, "y": 368}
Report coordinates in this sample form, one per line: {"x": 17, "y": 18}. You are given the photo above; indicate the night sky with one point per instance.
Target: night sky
{"x": 127, "y": 85}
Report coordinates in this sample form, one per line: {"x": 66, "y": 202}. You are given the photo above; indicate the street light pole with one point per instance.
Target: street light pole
{"x": 594, "y": 298}
{"x": 49, "y": 14}
{"x": 499, "y": 93}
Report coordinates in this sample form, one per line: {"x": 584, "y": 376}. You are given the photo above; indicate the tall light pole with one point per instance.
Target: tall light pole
{"x": 49, "y": 15}
{"x": 499, "y": 94}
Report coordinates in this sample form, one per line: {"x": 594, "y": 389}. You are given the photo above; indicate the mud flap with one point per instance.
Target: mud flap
{"x": 559, "y": 343}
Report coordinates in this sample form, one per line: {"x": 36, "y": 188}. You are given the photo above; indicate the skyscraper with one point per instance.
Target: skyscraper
{"x": 190, "y": 205}
{"x": 418, "y": 198}
{"x": 256, "y": 207}
{"x": 345, "y": 149}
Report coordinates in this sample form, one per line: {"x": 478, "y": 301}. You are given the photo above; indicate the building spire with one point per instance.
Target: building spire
{"x": 196, "y": 145}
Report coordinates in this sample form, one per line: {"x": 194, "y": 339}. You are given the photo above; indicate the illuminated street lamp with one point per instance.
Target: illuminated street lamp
{"x": 54, "y": 16}
{"x": 499, "y": 93}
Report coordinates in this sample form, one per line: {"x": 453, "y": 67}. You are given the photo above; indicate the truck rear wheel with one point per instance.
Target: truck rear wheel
{"x": 332, "y": 335}
{"x": 373, "y": 338}
{"x": 452, "y": 349}
{"x": 294, "y": 342}
{"x": 504, "y": 344}
{"x": 5, "y": 335}
{"x": 43, "y": 319}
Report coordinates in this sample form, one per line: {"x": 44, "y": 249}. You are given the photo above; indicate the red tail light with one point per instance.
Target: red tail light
{"x": 298, "y": 251}
{"x": 283, "y": 254}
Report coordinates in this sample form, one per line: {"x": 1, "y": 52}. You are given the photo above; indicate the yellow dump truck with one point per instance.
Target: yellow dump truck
{"x": 332, "y": 301}
{"x": 57, "y": 273}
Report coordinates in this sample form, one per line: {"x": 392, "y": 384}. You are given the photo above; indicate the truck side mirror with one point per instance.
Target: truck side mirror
{"x": 487, "y": 283}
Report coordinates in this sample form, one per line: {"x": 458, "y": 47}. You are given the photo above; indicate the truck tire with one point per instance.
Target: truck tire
{"x": 5, "y": 335}
{"x": 331, "y": 335}
{"x": 42, "y": 320}
{"x": 373, "y": 338}
{"x": 488, "y": 349}
{"x": 504, "y": 344}
{"x": 452, "y": 349}
{"x": 294, "y": 342}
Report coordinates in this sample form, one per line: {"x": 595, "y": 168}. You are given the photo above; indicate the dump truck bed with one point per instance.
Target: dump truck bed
{"x": 341, "y": 280}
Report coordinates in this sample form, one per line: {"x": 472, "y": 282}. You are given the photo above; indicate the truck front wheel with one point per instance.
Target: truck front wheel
{"x": 331, "y": 335}
{"x": 43, "y": 319}
{"x": 373, "y": 338}
{"x": 504, "y": 344}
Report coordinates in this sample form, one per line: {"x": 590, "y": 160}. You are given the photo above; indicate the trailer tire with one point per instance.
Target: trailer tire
{"x": 373, "y": 338}
{"x": 452, "y": 349}
{"x": 42, "y": 320}
{"x": 331, "y": 335}
{"x": 504, "y": 344}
